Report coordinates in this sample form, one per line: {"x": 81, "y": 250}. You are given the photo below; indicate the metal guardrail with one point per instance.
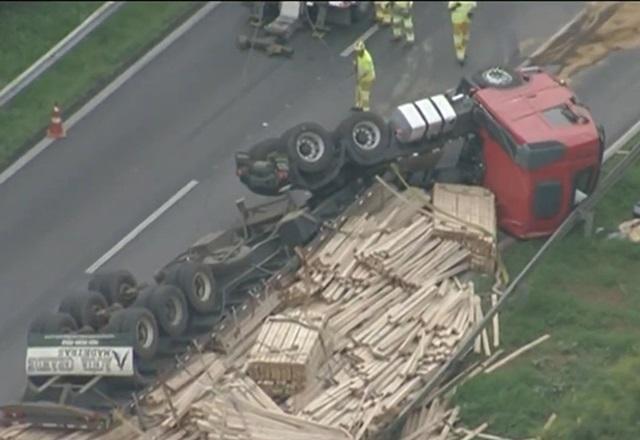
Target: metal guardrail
{"x": 58, "y": 51}
{"x": 612, "y": 177}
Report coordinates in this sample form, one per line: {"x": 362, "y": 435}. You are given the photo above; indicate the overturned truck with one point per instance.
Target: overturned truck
{"x": 330, "y": 310}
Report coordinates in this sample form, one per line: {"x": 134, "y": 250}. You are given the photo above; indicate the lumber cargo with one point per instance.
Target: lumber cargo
{"x": 377, "y": 306}
{"x": 467, "y": 214}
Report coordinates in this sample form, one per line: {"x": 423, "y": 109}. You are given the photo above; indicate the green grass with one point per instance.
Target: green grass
{"x": 124, "y": 37}
{"x": 28, "y": 30}
{"x": 586, "y": 294}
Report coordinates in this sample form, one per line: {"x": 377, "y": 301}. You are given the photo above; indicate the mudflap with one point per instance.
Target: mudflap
{"x": 53, "y": 415}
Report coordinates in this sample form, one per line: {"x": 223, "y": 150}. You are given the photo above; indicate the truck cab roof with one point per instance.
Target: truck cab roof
{"x": 538, "y": 108}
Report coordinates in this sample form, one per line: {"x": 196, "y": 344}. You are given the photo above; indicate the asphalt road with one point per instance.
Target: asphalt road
{"x": 188, "y": 111}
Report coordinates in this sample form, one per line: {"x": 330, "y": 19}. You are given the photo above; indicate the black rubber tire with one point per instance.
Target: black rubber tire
{"x": 236, "y": 259}
{"x": 131, "y": 321}
{"x": 83, "y": 307}
{"x": 364, "y": 135}
{"x": 198, "y": 284}
{"x": 498, "y": 78}
{"x": 310, "y": 134}
{"x": 86, "y": 330}
{"x": 53, "y": 323}
{"x": 263, "y": 149}
{"x": 112, "y": 284}
{"x": 169, "y": 307}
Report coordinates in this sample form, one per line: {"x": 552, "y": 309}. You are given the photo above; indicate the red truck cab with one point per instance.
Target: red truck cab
{"x": 540, "y": 148}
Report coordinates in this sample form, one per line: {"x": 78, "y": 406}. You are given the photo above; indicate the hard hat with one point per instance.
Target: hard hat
{"x": 359, "y": 46}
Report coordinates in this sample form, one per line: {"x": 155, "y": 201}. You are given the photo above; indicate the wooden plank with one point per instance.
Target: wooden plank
{"x": 517, "y": 353}
{"x": 495, "y": 322}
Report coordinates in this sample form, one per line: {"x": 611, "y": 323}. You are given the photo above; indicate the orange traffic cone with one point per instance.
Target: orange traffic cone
{"x": 56, "y": 129}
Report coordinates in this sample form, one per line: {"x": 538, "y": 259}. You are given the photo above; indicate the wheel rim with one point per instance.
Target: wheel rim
{"x": 497, "y": 76}
{"x": 310, "y": 147}
{"x": 174, "y": 311}
{"x": 202, "y": 287}
{"x": 366, "y": 135}
{"x": 145, "y": 333}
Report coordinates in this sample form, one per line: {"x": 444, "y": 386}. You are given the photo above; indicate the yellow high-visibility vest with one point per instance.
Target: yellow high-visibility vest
{"x": 460, "y": 11}
{"x": 403, "y": 5}
{"x": 364, "y": 64}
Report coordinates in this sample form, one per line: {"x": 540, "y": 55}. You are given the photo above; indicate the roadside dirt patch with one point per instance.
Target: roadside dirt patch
{"x": 606, "y": 296}
{"x": 605, "y": 27}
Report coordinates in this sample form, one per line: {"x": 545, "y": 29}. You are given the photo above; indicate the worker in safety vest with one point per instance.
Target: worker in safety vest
{"x": 365, "y": 75}
{"x": 461, "y": 13}
{"x": 383, "y": 12}
{"x": 402, "y": 22}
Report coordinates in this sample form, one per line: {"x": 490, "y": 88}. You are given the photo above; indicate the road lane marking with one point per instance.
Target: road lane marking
{"x": 364, "y": 37}
{"x": 110, "y": 89}
{"x": 138, "y": 229}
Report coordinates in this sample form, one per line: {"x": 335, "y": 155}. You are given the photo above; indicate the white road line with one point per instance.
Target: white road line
{"x": 110, "y": 89}
{"x": 364, "y": 37}
{"x": 138, "y": 229}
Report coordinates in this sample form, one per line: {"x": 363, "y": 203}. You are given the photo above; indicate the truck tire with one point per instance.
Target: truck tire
{"x": 498, "y": 78}
{"x": 85, "y": 308}
{"x": 364, "y": 135}
{"x": 169, "y": 307}
{"x": 53, "y": 323}
{"x": 310, "y": 147}
{"x": 263, "y": 149}
{"x": 113, "y": 285}
{"x": 140, "y": 324}
{"x": 198, "y": 284}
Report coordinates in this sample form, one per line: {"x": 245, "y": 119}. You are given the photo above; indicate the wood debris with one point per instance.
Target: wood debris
{"x": 374, "y": 311}
{"x": 517, "y": 353}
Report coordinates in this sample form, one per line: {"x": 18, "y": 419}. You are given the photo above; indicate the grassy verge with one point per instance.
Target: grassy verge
{"x": 585, "y": 294}
{"x": 90, "y": 66}
{"x": 28, "y": 31}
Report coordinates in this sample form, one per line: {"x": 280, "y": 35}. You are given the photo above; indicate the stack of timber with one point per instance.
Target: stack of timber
{"x": 467, "y": 214}
{"x": 434, "y": 421}
{"x": 289, "y": 349}
{"x": 396, "y": 309}
{"x": 375, "y": 309}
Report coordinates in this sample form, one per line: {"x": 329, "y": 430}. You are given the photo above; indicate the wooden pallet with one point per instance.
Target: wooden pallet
{"x": 467, "y": 214}
{"x": 288, "y": 351}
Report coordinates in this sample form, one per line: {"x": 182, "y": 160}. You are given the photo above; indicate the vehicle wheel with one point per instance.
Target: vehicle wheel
{"x": 169, "y": 307}
{"x": 364, "y": 136}
{"x": 141, "y": 326}
{"x": 198, "y": 284}
{"x": 263, "y": 149}
{"x": 85, "y": 308}
{"x": 114, "y": 286}
{"x": 310, "y": 147}
{"x": 228, "y": 259}
{"x": 53, "y": 323}
{"x": 498, "y": 78}
{"x": 86, "y": 330}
